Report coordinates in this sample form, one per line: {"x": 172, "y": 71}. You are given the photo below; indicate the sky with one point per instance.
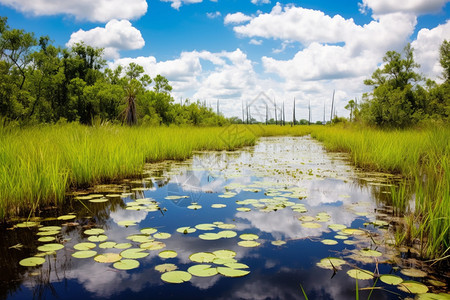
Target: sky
{"x": 248, "y": 52}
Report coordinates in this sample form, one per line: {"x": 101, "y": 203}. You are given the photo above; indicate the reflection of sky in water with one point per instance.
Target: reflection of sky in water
{"x": 276, "y": 272}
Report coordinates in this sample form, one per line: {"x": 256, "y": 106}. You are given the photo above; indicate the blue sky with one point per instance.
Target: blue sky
{"x": 234, "y": 50}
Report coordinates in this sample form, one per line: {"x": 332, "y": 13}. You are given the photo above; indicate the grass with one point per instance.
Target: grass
{"x": 39, "y": 164}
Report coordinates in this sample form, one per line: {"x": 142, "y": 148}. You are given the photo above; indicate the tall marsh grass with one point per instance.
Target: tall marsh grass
{"x": 39, "y": 164}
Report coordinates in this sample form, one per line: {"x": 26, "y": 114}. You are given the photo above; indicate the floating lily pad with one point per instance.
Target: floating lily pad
{"x": 391, "y": 279}
{"x": 186, "y": 230}
{"x": 227, "y": 234}
{"x": 175, "y": 197}
{"x": 176, "y": 277}
{"x": 278, "y": 243}
{"x": 430, "y": 296}
{"x": 27, "y": 224}
{"x": 126, "y": 264}
{"x": 225, "y": 254}
{"x": 331, "y": 263}
{"x": 32, "y": 261}
{"x": 123, "y": 246}
{"x": 369, "y": 252}
{"x": 236, "y": 265}
{"x": 84, "y": 254}
{"x": 165, "y": 268}
{"x": 209, "y": 236}
{"x": 107, "y": 257}
{"x": 202, "y": 257}
{"x": 226, "y": 226}
{"x": 436, "y": 283}
{"x": 194, "y": 206}
{"x": 47, "y": 233}
{"x": 127, "y": 223}
{"x": 311, "y": 225}
{"x": 413, "y": 287}
{"x": 94, "y": 231}
{"x": 217, "y": 205}
{"x": 162, "y": 235}
{"x": 134, "y": 253}
{"x": 66, "y": 217}
{"x": 155, "y": 245}
{"x": 84, "y": 246}
{"x": 101, "y": 200}
{"x": 229, "y": 272}
{"x": 349, "y": 242}
{"x": 168, "y": 254}
{"x": 139, "y": 238}
{"x": 243, "y": 209}
{"x": 248, "y": 236}
{"x": 223, "y": 261}
{"x": 205, "y": 226}
{"x": 107, "y": 245}
{"x": 202, "y": 270}
{"x": 50, "y": 247}
{"x": 337, "y": 227}
{"x": 360, "y": 274}
{"x": 306, "y": 218}
{"x": 149, "y": 230}
{"x": 341, "y": 237}
{"x": 352, "y": 231}
{"x": 248, "y": 244}
{"x": 50, "y": 228}
{"x": 413, "y": 272}
{"x": 328, "y": 242}
{"x": 97, "y": 238}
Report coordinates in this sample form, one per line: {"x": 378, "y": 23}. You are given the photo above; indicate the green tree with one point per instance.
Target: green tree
{"x": 351, "y": 106}
{"x": 444, "y": 59}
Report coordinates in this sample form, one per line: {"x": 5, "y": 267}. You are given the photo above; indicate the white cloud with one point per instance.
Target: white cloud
{"x": 426, "y": 49}
{"x": 116, "y": 35}
{"x": 178, "y": 3}
{"x": 416, "y": 7}
{"x": 213, "y": 15}
{"x": 97, "y": 11}
{"x": 236, "y": 18}
{"x": 255, "y": 42}
{"x": 257, "y": 2}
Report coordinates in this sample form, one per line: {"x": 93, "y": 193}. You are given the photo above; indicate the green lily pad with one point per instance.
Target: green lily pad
{"x": 97, "y": 238}
{"x": 248, "y": 236}
{"x": 205, "y": 226}
{"x": 236, "y": 265}
{"x": 436, "y": 283}
{"x": 202, "y": 270}
{"x": 349, "y": 242}
{"x": 139, "y": 238}
{"x": 175, "y": 197}
{"x": 162, "y": 235}
{"x": 430, "y": 296}
{"x": 27, "y": 224}
{"x": 341, "y": 237}
{"x": 107, "y": 258}
{"x": 176, "y": 276}
{"x": 47, "y": 233}
{"x": 101, "y": 200}
{"x": 123, "y": 246}
{"x": 165, "y": 268}
{"x": 248, "y": 244}
{"x": 168, "y": 254}
{"x": 337, "y": 227}
{"x": 229, "y": 272}
{"x": 223, "y": 261}
{"x": 84, "y": 246}
{"x": 352, "y": 231}
{"x": 224, "y": 254}
{"x": 107, "y": 245}
{"x": 371, "y": 253}
{"x": 134, "y": 253}
{"x": 218, "y": 205}
{"x": 50, "y": 247}
{"x": 46, "y": 239}
{"x": 186, "y": 230}
{"x": 127, "y": 223}
{"x": 84, "y": 254}
{"x": 126, "y": 264}
{"x": 155, "y": 245}
{"x": 306, "y": 218}
{"x": 194, "y": 206}
{"x": 202, "y": 257}
{"x": 32, "y": 261}
{"x": 50, "y": 228}
{"x": 391, "y": 279}
{"x": 278, "y": 243}
{"x": 94, "y": 231}
{"x": 66, "y": 217}
{"x": 360, "y": 274}
{"x": 228, "y": 234}
{"x": 413, "y": 287}
{"x": 226, "y": 226}
{"x": 149, "y": 230}
{"x": 311, "y": 225}
{"x": 331, "y": 263}
{"x": 328, "y": 242}
{"x": 209, "y": 236}
{"x": 243, "y": 209}
{"x": 413, "y": 272}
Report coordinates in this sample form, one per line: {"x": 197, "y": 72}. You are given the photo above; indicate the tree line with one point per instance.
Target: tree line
{"x": 42, "y": 83}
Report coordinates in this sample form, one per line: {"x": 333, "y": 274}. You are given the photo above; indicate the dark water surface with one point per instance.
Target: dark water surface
{"x": 282, "y": 179}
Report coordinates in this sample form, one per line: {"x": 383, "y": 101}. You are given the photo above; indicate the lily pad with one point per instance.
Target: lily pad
{"x": 134, "y": 253}
{"x": 47, "y": 233}
{"x": 84, "y": 254}
{"x": 84, "y": 246}
{"x": 101, "y": 200}
{"x": 226, "y": 226}
{"x": 306, "y": 218}
{"x": 430, "y": 296}
{"x": 278, "y": 243}
{"x": 311, "y": 225}
{"x": 328, "y": 242}
{"x": 66, "y": 217}
{"x": 126, "y": 264}
{"x": 217, "y": 205}
{"x": 155, "y": 245}
{"x": 107, "y": 245}
{"x": 236, "y": 265}
{"x": 202, "y": 257}
{"x": 243, "y": 209}
{"x": 46, "y": 239}
{"x": 97, "y": 238}
{"x": 107, "y": 257}
{"x": 123, "y": 246}
{"x": 224, "y": 254}
{"x": 228, "y": 234}
{"x": 229, "y": 272}
{"x": 337, "y": 227}
{"x": 50, "y": 247}
{"x": 202, "y": 270}
{"x": 194, "y": 206}
{"x": 413, "y": 287}
{"x": 205, "y": 226}
{"x": 369, "y": 252}
{"x": 176, "y": 277}
{"x": 248, "y": 236}
{"x": 127, "y": 223}
{"x": 391, "y": 279}
{"x": 168, "y": 254}
{"x": 94, "y": 231}
{"x": 162, "y": 235}
{"x": 331, "y": 263}
{"x": 27, "y": 224}
{"x": 352, "y": 231}
{"x": 248, "y": 244}
{"x": 360, "y": 274}
{"x": 413, "y": 272}
{"x": 149, "y": 230}
{"x": 32, "y": 261}
{"x": 50, "y": 228}
{"x": 209, "y": 236}
{"x": 165, "y": 268}
{"x": 186, "y": 230}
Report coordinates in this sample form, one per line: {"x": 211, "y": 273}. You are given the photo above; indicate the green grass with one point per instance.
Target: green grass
{"x": 39, "y": 164}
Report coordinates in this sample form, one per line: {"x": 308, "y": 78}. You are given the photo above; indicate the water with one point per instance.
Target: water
{"x": 288, "y": 178}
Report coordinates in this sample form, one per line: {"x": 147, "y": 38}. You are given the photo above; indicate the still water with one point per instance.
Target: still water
{"x": 278, "y": 209}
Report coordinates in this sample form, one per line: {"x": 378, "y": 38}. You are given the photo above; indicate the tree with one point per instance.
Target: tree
{"x": 161, "y": 85}
{"x": 444, "y": 59}
{"x": 351, "y": 106}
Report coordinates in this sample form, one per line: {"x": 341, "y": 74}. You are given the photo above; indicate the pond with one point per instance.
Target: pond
{"x": 259, "y": 223}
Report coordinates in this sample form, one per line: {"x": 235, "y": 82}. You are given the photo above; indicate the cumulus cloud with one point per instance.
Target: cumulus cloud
{"x": 236, "y": 18}
{"x": 426, "y": 49}
{"x": 255, "y": 42}
{"x": 115, "y": 36}
{"x": 97, "y": 11}
{"x": 416, "y": 7}
{"x": 178, "y": 3}
{"x": 213, "y": 15}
